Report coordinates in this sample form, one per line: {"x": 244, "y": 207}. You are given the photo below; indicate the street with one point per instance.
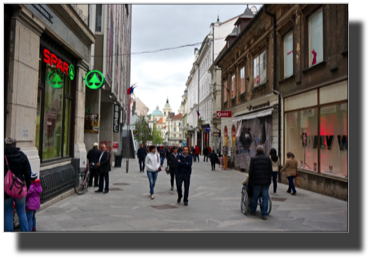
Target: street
{"x": 214, "y": 205}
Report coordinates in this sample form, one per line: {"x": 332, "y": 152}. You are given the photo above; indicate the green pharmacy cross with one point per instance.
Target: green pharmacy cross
{"x": 56, "y": 80}
{"x": 92, "y": 79}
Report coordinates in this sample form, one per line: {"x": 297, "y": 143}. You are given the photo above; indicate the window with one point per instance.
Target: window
{"x": 315, "y": 38}
{"x": 260, "y": 69}
{"x": 225, "y": 91}
{"x": 288, "y": 55}
{"x": 242, "y": 81}
{"x": 180, "y": 136}
{"x": 98, "y": 24}
{"x": 233, "y": 86}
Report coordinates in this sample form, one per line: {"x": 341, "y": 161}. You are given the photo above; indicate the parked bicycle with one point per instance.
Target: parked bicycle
{"x": 84, "y": 178}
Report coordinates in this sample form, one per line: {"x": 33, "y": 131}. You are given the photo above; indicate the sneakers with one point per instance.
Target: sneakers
{"x": 152, "y": 196}
{"x": 274, "y": 194}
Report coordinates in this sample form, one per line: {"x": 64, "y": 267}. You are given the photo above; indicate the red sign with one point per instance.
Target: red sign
{"x": 221, "y": 114}
{"x": 115, "y": 145}
{"x": 225, "y": 131}
{"x": 51, "y": 59}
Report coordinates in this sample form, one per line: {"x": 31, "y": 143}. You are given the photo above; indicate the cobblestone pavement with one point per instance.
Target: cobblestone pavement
{"x": 214, "y": 205}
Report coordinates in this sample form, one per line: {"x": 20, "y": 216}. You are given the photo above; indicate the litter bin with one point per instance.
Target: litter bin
{"x": 118, "y": 159}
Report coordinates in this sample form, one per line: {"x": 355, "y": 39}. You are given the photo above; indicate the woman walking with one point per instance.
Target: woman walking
{"x": 18, "y": 163}
{"x": 275, "y": 164}
{"x": 152, "y": 166}
{"x": 291, "y": 171}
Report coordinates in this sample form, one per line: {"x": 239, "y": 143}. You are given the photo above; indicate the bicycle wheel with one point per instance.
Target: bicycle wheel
{"x": 83, "y": 183}
{"x": 244, "y": 202}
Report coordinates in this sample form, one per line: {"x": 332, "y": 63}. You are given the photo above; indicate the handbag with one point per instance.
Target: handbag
{"x": 13, "y": 186}
{"x": 167, "y": 170}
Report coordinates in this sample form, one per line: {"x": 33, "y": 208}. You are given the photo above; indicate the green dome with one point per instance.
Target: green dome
{"x": 157, "y": 112}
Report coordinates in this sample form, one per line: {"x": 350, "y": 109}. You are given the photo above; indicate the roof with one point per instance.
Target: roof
{"x": 167, "y": 105}
{"x": 161, "y": 121}
{"x": 247, "y": 13}
{"x": 157, "y": 112}
{"x": 233, "y": 33}
{"x": 178, "y": 117}
{"x": 230, "y": 19}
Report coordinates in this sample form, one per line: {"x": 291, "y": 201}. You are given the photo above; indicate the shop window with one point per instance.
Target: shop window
{"x": 98, "y": 24}
{"x": 302, "y": 137}
{"x": 242, "y": 80}
{"x": 225, "y": 91}
{"x": 233, "y": 83}
{"x": 260, "y": 69}
{"x": 288, "y": 55}
{"x": 38, "y": 120}
{"x": 334, "y": 139}
{"x": 315, "y": 30}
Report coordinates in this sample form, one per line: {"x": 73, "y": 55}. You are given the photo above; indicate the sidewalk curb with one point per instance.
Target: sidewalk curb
{"x": 56, "y": 199}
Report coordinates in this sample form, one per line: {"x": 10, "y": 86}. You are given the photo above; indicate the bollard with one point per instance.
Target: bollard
{"x": 126, "y": 165}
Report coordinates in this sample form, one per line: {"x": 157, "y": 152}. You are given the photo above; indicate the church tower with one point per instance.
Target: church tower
{"x": 167, "y": 109}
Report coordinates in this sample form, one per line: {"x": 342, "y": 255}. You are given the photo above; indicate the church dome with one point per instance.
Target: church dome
{"x": 157, "y": 112}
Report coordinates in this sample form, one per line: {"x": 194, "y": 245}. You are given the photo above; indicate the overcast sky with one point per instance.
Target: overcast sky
{"x": 154, "y": 27}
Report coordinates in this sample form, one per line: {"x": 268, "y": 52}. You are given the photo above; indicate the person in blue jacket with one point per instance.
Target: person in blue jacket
{"x": 185, "y": 162}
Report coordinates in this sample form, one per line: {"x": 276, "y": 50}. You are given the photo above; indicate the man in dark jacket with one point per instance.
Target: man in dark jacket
{"x": 93, "y": 160}
{"x": 162, "y": 155}
{"x": 141, "y": 154}
{"x": 205, "y": 154}
{"x": 185, "y": 162}
{"x": 260, "y": 173}
{"x": 213, "y": 160}
{"x": 104, "y": 167}
{"x": 173, "y": 164}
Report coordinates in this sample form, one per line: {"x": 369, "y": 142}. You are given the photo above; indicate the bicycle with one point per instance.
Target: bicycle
{"x": 246, "y": 201}
{"x": 84, "y": 179}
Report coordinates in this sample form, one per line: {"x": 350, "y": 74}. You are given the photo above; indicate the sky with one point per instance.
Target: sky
{"x": 163, "y": 74}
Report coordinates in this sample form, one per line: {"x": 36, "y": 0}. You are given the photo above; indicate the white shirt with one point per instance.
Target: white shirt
{"x": 152, "y": 161}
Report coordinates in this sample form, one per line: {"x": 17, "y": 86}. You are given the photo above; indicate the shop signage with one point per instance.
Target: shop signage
{"x": 304, "y": 139}
{"x": 115, "y": 146}
{"x": 116, "y": 117}
{"x": 71, "y": 72}
{"x": 92, "y": 79}
{"x": 222, "y": 114}
{"x": 188, "y": 136}
{"x": 207, "y": 129}
{"x": 250, "y": 107}
{"x": 216, "y": 134}
{"x": 54, "y": 79}
{"x": 51, "y": 59}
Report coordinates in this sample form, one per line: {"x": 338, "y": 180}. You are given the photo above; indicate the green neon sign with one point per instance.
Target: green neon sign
{"x": 71, "y": 72}
{"x": 56, "y": 79}
{"x": 92, "y": 79}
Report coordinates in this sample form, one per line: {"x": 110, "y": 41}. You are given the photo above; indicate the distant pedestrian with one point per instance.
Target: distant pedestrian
{"x": 93, "y": 156}
{"x": 162, "y": 156}
{"x": 184, "y": 172}
{"x": 213, "y": 160}
{"x": 275, "y": 164}
{"x": 291, "y": 171}
{"x": 19, "y": 164}
{"x": 197, "y": 151}
{"x": 180, "y": 150}
{"x": 170, "y": 150}
{"x": 104, "y": 168}
{"x": 173, "y": 164}
{"x": 205, "y": 154}
{"x": 141, "y": 154}
{"x": 260, "y": 173}
{"x": 33, "y": 202}
{"x": 152, "y": 166}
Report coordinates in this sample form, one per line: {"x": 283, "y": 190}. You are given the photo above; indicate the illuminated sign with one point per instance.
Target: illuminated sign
{"x": 92, "y": 79}
{"x": 54, "y": 80}
{"x": 71, "y": 72}
{"x": 51, "y": 59}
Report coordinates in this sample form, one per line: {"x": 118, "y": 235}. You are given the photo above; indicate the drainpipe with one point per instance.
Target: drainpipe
{"x": 275, "y": 80}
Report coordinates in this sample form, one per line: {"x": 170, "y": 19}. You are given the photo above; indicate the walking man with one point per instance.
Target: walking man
{"x": 197, "y": 151}
{"x": 213, "y": 160}
{"x": 162, "y": 155}
{"x": 141, "y": 154}
{"x": 104, "y": 167}
{"x": 93, "y": 160}
{"x": 173, "y": 164}
{"x": 205, "y": 154}
{"x": 184, "y": 171}
{"x": 260, "y": 173}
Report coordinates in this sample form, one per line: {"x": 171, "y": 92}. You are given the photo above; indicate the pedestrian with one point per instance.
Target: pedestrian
{"x": 170, "y": 150}
{"x": 205, "y": 154}
{"x": 33, "y": 202}
{"x": 180, "y": 150}
{"x": 93, "y": 160}
{"x": 197, "y": 151}
{"x": 291, "y": 171}
{"x": 260, "y": 173}
{"x": 209, "y": 151}
{"x": 213, "y": 160}
{"x": 184, "y": 172}
{"x": 275, "y": 164}
{"x": 162, "y": 155}
{"x": 18, "y": 163}
{"x": 104, "y": 168}
{"x": 141, "y": 154}
{"x": 193, "y": 152}
{"x": 152, "y": 166}
{"x": 173, "y": 164}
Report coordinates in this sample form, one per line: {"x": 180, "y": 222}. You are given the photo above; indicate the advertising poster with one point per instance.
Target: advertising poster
{"x": 91, "y": 123}
{"x": 250, "y": 134}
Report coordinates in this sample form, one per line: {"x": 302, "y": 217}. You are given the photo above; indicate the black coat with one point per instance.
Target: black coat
{"x": 93, "y": 155}
{"x": 213, "y": 157}
{"x": 105, "y": 162}
{"x": 141, "y": 153}
{"x": 173, "y": 163}
{"x": 206, "y": 151}
{"x": 260, "y": 170}
{"x": 19, "y": 165}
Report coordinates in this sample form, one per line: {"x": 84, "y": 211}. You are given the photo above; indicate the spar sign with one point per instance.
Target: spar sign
{"x": 222, "y": 114}
{"x": 56, "y": 76}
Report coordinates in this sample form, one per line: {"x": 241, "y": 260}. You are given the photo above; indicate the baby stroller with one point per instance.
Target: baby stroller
{"x": 246, "y": 201}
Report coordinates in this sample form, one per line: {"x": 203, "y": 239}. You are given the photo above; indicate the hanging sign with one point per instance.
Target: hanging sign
{"x": 116, "y": 117}
{"x": 54, "y": 79}
{"x": 207, "y": 129}
{"x": 221, "y": 114}
{"x": 94, "y": 79}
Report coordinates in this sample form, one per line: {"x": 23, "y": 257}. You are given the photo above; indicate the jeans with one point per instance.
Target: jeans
{"x": 142, "y": 162}
{"x": 291, "y": 184}
{"x": 172, "y": 176}
{"x": 31, "y": 215}
{"x": 274, "y": 174}
{"x": 102, "y": 176}
{"x": 152, "y": 175}
{"x": 8, "y": 214}
{"x": 212, "y": 165}
{"x": 186, "y": 179}
{"x": 256, "y": 194}
{"x": 195, "y": 157}
{"x": 94, "y": 173}
{"x": 162, "y": 161}
{"x": 205, "y": 157}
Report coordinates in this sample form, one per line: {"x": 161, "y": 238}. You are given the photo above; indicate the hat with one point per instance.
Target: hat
{"x": 96, "y": 144}
{"x": 33, "y": 175}
{"x": 9, "y": 143}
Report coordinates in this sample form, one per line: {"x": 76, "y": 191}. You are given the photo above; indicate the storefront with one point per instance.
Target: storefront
{"x": 316, "y": 131}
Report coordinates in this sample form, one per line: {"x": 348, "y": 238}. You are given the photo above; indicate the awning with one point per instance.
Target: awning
{"x": 249, "y": 116}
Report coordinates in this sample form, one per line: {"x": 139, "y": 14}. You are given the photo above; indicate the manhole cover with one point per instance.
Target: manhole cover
{"x": 115, "y": 189}
{"x": 161, "y": 207}
{"x": 121, "y": 184}
{"x": 278, "y": 199}
{"x": 165, "y": 193}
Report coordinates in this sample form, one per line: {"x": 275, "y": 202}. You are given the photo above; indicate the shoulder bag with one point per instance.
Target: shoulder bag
{"x": 13, "y": 186}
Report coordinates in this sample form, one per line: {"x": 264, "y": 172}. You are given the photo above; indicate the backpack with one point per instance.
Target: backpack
{"x": 13, "y": 186}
